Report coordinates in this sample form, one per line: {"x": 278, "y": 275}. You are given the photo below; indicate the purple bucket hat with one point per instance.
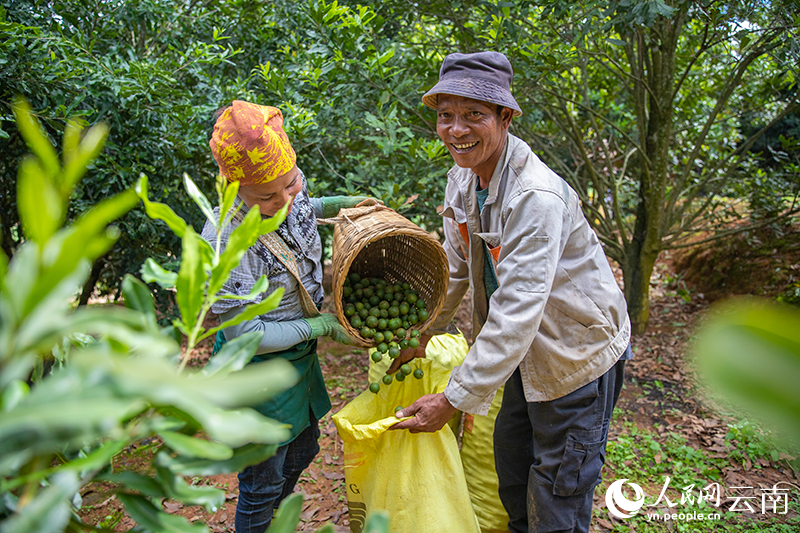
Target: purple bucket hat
{"x": 484, "y": 76}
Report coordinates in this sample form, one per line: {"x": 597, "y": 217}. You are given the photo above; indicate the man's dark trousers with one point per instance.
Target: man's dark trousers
{"x": 548, "y": 455}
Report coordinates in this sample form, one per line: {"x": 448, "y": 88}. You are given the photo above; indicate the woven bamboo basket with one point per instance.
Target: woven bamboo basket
{"x": 377, "y": 242}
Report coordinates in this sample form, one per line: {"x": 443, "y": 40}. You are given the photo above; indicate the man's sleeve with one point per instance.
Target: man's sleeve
{"x": 530, "y": 249}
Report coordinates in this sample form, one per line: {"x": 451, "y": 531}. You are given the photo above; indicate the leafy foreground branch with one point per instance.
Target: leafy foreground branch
{"x": 77, "y": 386}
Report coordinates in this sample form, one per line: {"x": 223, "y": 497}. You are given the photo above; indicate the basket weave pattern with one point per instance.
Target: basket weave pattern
{"x": 377, "y": 242}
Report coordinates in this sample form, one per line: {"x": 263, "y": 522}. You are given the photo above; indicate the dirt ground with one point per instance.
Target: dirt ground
{"x": 661, "y": 396}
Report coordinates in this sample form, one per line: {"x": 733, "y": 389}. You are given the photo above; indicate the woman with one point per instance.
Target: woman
{"x": 251, "y": 147}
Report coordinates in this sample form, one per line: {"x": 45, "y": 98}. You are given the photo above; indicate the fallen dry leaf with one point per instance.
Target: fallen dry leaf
{"x": 309, "y": 514}
{"x": 605, "y": 524}
{"x": 172, "y": 507}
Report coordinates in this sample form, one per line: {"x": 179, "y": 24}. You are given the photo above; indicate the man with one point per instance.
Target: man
{"x": 251, "y": 147}
{"x": 549, "y": 319}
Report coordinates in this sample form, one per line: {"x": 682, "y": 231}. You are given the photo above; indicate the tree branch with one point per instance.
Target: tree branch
{"x": 733, "y": 81}
{"x": 701, "y": 50}
{"x": 739, "y": 153}
{"x": 619, "y": 130}
{"x": 733, "y": 231}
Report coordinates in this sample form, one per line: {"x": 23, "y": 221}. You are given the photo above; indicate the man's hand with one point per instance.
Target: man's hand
{"x": 431, "y": 412}
{"x": 409, "y": 353}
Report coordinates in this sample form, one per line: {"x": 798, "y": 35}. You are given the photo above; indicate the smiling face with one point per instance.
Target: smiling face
{"x": 473, "y": 132}
{"x": 272, "y": 196}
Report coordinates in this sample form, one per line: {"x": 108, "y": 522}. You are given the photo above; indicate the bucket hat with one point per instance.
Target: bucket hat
{"x": 484, "y": 76}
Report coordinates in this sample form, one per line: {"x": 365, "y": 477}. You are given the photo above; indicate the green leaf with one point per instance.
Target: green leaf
{"x": 138, "y": 297}
{"x": 663, "y": 9}
{"x": 199, "y": 198}
{"x": 227, "y": 203}
{"x": 192, "y": 447}
{"x": 31, "y": 131}
{"x": 190, "y": 424}
{"x": 260, "y": 286}
{"x": 288, "y": 515}
{"x": 215, "y": 402}
{"x": 241, "y": 426}
{"x": 18, "y": 283}
{"x": 152, "y": 272}
{"x": 138, "y": 482}
{"x": 240, "y": 240}
{"x": 3, "y": 265}
{"x": 173, "y": 333}
{"x": 744, "y": 40}
{"x": 41, "y": 209}
{"x": 71, "y": 141}
{"x": 50, "y": 419}
{"x": 191, "y": 282}
{"x": 247, "y": 455}
{"x": 386, "y": 56}
{"x": 18, "y": 368}
{"x": 153, "y": 519}
{"x": 211, "y": 498}
{"x": 77, "y": 246}
{"x": 77, "y": 158}
{"x": 98, "y": 458}
{"x": 11, "y": 463}
{"x": 42, "y": 329}
{"x": 750, "y": 353}
{"x": 49, "y": 511}
{"x": 377, "y": 522}
{"x": 252, "y": 311}
{"x": 234, "y": 355}
{"x": 160, "y": 211}
{"x": 256, "y": 378}
{"x": 158, "y": 424}
{"x": 272, "y": 223}
{"x": 13, "y": 393}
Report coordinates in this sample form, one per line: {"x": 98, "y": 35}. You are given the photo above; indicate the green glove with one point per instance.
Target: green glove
{"x": 326, "y": 325}
{"x": 332, "y": 204}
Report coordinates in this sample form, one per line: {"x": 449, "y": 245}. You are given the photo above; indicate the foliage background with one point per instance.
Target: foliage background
{"x": 704, "y": 133}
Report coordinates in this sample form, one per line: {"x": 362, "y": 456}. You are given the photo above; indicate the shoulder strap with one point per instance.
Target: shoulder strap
{"x": 278, "y": 247}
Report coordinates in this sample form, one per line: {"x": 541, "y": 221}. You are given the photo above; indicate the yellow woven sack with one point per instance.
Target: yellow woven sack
{"x": 418, "y": 478}
{"x": 446, "y": 350}
{"x": 477, "y": 455}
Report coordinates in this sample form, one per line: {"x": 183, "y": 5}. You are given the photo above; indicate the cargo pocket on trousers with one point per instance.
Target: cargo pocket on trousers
{"x": 580, "y": 466}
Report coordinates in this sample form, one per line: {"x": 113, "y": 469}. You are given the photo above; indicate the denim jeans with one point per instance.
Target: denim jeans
{"x": 548, "y": 455}
{"x": 262, "y": 487}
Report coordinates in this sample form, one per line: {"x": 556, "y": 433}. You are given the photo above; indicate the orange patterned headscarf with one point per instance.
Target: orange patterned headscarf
{"x": 249, "y": 144}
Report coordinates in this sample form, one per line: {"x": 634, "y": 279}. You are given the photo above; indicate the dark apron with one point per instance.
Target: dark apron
{"x": 306, "y": 399}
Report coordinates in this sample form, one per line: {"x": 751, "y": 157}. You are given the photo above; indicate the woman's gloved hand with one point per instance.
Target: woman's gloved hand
{"x": 332, "y": 204}
{"x": 326, "y": 325}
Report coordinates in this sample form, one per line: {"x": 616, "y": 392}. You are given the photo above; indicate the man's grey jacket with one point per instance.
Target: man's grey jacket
{"x": 558, "y": 313}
